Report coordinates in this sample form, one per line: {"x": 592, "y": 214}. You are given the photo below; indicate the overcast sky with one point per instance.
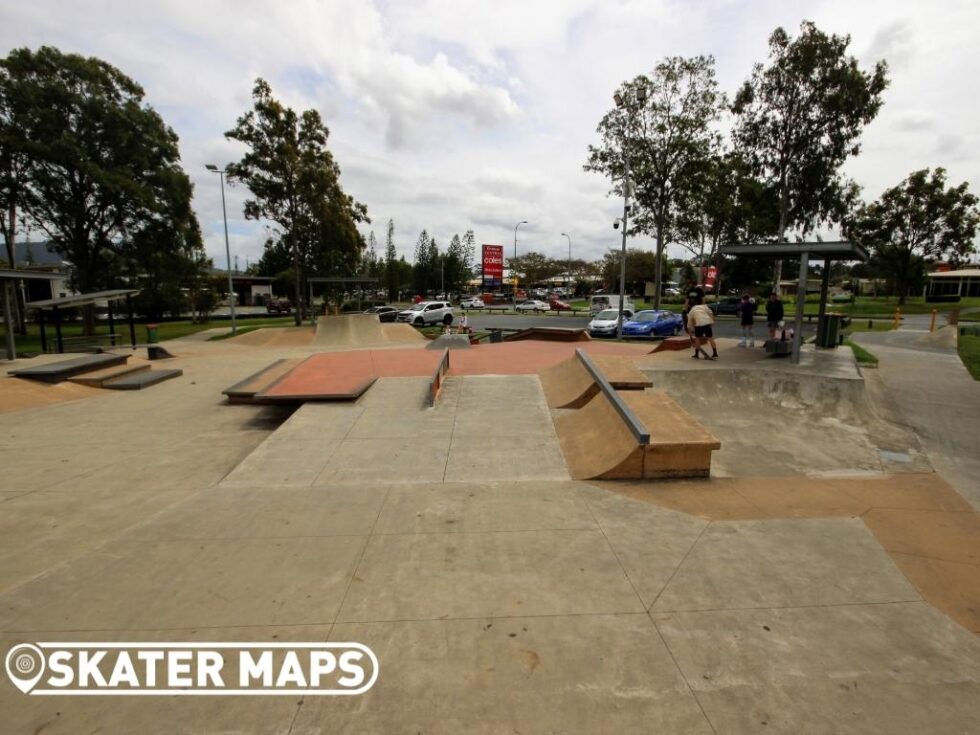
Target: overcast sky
{"x": 452, "y": 115}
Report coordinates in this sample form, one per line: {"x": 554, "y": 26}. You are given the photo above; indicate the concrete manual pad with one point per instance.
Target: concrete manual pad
{"x": 188, "y": 583}
{"x": 579, "y": 674}
{"x": 783, "y": 563}
{"x": 436, "y": 576}
{"x": 498, "y": 506}
{"x": 899, "y": 668}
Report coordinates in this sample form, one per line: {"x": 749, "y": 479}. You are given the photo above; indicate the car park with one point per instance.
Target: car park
{"x": 653, "y": 323}
{"x": 604, "y": 323}
{"x": 385, "y": 313}
{"x": 533, "y": 305}
{"x": 472, "y": 302}
{"x": 729, "y": 305}
{"x": 427, "y": 312}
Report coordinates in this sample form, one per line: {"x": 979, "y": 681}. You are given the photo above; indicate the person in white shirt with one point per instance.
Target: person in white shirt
{"x": 701, "y": 319}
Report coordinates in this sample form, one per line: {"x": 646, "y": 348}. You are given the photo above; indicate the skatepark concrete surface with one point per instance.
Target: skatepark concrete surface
{"x": 823, "y": 585}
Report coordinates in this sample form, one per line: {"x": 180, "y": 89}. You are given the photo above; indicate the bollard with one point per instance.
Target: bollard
{"x": 871, "y": 324}
{"x": 898, "y": 318}
{"x": 932, "y": 324}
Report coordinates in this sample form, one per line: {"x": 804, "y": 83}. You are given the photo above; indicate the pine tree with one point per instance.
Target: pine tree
{"x": 391, "y": 267}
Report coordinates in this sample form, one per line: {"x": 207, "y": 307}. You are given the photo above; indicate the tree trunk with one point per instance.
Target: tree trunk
{"x": 298, "y": 316}
{"x": 783, "y": 207}
{"x": 17, "y": 305}
{"x": 658, "y": 265}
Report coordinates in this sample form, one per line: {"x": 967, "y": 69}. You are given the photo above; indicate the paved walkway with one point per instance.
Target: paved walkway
{"x": 938, "y": 398}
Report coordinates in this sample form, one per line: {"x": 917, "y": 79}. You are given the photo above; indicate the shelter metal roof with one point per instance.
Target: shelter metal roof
{"x": 7, "y": 274}
{"x": 83, "y": 299}
{"x": 839, "y": 250}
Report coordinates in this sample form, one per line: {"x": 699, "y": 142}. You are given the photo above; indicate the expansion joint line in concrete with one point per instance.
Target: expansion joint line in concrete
{"x": 677, "y": 568}
{"x": 452, "y": 434}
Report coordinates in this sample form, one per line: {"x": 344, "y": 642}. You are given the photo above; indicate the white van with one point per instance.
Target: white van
{"x": 609, "y": 301}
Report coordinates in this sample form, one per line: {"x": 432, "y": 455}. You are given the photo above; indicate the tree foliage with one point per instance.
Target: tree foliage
{"x": 799, "y": 117}
{"x": 295, "y": 185}
{"x": 920, "y": 219}
{"x": 93, "y": 167}
{"x": 662, "y": 142}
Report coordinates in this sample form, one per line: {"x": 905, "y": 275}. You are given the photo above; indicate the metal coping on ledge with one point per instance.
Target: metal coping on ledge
{"x": 441, "y": 369}
{"x": 631, "y": 419}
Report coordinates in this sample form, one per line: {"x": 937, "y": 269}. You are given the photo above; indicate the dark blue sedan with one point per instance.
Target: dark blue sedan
{"x": 651, "y": 323}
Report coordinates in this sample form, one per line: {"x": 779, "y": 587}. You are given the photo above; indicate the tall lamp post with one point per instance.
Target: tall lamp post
{"x": 513, "y": 270}
{"x": 569, "y": 258}
{"x": 627, "y": 103}
{"x": 224, "y": 213}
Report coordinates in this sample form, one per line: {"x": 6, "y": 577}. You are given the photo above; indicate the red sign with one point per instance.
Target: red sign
{"x": 493, "y": 264}
{"x": 708, "y": 276}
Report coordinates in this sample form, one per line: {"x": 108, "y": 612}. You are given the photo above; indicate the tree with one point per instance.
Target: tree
{"x": 640, "y": 267}
{"x": 99, "y": 170}
{"x": 661, "y": 141}
{"x": 391, "y": 270}
{"x": 295, "y": 184}
{"x": 422, "y": 268}
{"x": 799, "y": 118}
{"x": 920, "y": 219}
{"x": 533, "y": 268}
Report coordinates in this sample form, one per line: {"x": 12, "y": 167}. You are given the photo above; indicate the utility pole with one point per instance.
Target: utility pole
{"x": 513, "y": 269}
{"x": 224, "y": 213}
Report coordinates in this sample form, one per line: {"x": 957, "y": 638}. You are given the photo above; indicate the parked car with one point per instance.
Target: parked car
{"x": 533, "y": 305}
{"x": 729, "y": 305}
{"x": 278, "y": 306}
{"x": 604, "y": 323}
{"x": 427, "y": 312}
{"x": 602, "y": 302}
{"x": 472, "y": 302}
{"x": 652, "y": 323}
{"x": 385, "y": 313}
{"x": 558, "y": 305}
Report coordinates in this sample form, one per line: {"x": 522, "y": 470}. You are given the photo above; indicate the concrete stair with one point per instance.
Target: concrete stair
{"x": 98, "y": 378}
{"x": 141, "y": 379}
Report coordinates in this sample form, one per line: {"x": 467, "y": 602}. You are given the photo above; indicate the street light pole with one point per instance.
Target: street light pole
{"x": 569, "y": 258}
{"x": 224, "y": 213}
{"x": 513, "y": 269}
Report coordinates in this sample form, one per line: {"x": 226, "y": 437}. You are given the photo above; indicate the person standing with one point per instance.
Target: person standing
{"x": 701, "y": 318}
{"x": 774, "y": 314}
{"x": 746, "y": 311}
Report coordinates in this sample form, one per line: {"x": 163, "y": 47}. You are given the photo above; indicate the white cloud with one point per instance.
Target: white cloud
{"x": 451, "y": 115}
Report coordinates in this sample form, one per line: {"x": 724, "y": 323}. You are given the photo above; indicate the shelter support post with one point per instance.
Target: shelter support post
{"x": 8, "y": 322}
{"x": 44, "y": 333}
{"x": 56, "y": 315}
{"x": 800, "y": 304}
{"x": 132, "y": 323}
{"x": 112, "y": 325}
{"x": 824, "y": 290}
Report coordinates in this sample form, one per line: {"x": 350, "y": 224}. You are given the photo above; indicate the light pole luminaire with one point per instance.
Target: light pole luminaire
{"x": 224, "y": 213}
{"x": 513, "y": 270}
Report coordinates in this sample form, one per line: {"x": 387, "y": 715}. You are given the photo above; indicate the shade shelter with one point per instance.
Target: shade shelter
{"x": 804, "y": 252}
{"x": 8, "y": 279}
{"x": 55, "y": 307}
{"x": 359, "y": 283}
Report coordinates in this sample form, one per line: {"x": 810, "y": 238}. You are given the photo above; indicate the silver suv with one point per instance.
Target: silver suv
{"x": 428, "y": 312}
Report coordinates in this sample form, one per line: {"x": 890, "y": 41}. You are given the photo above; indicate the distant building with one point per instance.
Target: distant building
{"x": 963, "y": 282}
{"x": 41, "y": 256}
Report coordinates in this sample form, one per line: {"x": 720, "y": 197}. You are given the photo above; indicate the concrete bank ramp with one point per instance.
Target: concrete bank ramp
{"x": 570, "y": 385}
{"x": 361, "y": 330}
{"x": 598, "y": 442}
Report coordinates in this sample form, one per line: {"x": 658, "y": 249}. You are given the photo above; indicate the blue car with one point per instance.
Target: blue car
{"x": 651, "y": 323}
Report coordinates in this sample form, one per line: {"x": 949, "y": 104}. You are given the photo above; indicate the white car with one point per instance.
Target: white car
{"x": 473, "y": 302}
{"x": 427, "y": 312}
{"x": 604, "y": 323}
{"x": 533, "y": 305}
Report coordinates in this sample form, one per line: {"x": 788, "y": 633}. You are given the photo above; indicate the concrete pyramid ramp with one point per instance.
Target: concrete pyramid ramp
{"x": 599, "y": 445}
{"x": 570, "y": 385}
{"x": 361, "y": 330}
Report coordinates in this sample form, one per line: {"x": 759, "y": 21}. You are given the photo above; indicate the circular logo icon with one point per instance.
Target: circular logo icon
{"x": 25, "y": 665}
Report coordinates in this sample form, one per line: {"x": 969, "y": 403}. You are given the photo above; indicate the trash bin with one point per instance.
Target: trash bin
{"x": 828, "y": 334}
{"x": 151, "y": 333}
{"x": 496, "y": 335}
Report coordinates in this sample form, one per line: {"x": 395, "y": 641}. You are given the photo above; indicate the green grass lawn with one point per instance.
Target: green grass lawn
{"x": 969, "y": 348}
{"x": 864, "y": 358}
